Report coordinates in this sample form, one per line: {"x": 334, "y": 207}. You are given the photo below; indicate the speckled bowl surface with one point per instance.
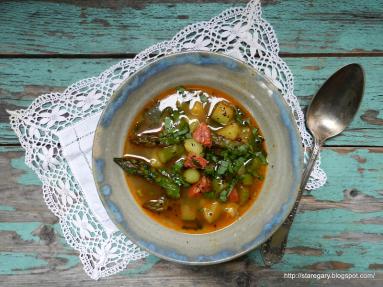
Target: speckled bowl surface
{"x": 260, "y": 97}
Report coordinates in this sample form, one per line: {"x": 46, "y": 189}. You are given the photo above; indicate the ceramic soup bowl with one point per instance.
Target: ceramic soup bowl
{"x": 283, "y": 143}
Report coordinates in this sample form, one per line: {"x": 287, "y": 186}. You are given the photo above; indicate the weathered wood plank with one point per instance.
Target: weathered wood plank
{"x": 22, "y": 80}
{"x": 82, "y": 27}
{"x": 366, "y": 128}
{"x": 335, "y": 228}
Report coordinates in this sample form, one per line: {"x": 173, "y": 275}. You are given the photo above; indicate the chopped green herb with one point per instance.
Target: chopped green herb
{"x": 174, "y": 131}
{"x": 168, "y": 123}
{"x": 222, "y": 167}
{"x": 209, "y": 170}
{"x": 224, "y": 195}
{"x": 203, "y": 98}
{"x": 178, "y": 165}
{"x": 181, "y": 89}
{"x": 262, "y": 158}
{"x": 256, "y": 139}
{"x": 240, "y": 117}
{"x": 236, "y": 165}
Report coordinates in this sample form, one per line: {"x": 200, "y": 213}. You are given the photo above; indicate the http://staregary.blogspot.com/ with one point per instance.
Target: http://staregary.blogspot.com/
{"x": 328, "y": 276}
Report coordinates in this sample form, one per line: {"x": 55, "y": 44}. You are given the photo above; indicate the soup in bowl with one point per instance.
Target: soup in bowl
{"x": 194, "y": 159}
{"x": 197, "y": 158}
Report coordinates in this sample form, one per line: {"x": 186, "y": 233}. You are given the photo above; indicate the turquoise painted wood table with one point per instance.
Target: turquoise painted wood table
{"x": 47, "y": 45}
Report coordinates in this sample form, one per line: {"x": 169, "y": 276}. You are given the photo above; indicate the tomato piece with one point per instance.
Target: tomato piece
{"x": 195, "y": 161}
{"x": 234, "y": 196}
{"x": 194, "y": 191}
{"x": 202, "y": 134}
{"x": 203, "y": 185}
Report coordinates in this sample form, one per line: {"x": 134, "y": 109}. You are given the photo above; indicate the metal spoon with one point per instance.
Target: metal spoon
{"x": 330, "y": 112}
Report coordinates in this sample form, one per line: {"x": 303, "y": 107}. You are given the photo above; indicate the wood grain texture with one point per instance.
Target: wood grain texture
{"x": 109, "y": 27}
{"x": 338, "y": 228}
{"x": 22, "y": 80}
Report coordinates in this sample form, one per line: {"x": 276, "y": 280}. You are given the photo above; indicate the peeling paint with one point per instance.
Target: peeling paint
{"x": 16, "y": 263}
{"x": 28, "y": 177}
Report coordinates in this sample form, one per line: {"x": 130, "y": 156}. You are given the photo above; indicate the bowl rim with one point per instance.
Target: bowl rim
{"x": 290, "y": 202}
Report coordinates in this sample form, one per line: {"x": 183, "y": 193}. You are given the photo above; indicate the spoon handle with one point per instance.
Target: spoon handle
{"x": 274, "y": 248}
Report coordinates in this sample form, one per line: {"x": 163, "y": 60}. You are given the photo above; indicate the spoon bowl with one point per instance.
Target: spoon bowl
{"x": 335, "y": 104}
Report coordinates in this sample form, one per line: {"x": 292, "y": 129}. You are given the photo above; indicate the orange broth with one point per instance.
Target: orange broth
{"x": 143, "y": 190}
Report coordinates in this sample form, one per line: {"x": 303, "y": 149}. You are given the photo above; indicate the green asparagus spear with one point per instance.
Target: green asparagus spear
{"x": 148, "y": 140}
{"x": 141, "y": 168}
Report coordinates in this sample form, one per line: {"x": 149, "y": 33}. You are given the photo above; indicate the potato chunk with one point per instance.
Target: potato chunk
{"x": 188, "y": 212}
{"x": 223, "y": 113}
{"x": 198, "y": 110}
{"x": 230, "y": 132}
{"x": 245, "y": 134}
{"x": 192, "y": 146}
{"x": 211, "y": 212}
{"x": 231, "y": 209}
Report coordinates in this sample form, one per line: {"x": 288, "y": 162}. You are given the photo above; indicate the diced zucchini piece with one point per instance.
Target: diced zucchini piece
{"x": 155, "y": 161}
{"x": 191, "y": 175}
{"x": 167, "y": 153}
{"x": 230, "y": 132}
{"x": 242, "y": 170}
{"x": 218, "y": 185}
{"x": 223, "y": 113}
{"x": 255, "y": 164}
{"x": 247, "y": 179}
{"x": 231, "y": 209}
{"x": 188, "y": 212}
{"x": 198, "y": 110}
{"x": 244, "y": 195}
{"x": 211, "y": 212}
{"x": 192, "y": 146}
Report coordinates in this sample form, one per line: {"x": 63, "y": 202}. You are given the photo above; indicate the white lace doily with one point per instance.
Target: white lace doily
{"x": 239, "y": 32}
